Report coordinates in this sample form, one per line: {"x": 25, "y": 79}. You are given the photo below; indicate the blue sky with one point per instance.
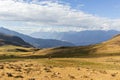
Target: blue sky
{"x": 103, "y": 8}
{"x": 29, "y": 16}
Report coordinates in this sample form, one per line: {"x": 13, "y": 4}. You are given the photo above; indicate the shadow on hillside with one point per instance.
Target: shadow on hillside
{"x": 2, "y": 57}
{"x": 64, "y": 52}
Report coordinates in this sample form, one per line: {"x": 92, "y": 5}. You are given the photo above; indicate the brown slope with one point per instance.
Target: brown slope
{"x": 110, "y": 46}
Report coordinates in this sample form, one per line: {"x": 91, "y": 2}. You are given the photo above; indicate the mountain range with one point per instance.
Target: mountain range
{"x": 57, "y": 48}
{"x": 81, "y": 38}
{"x": 57, "y": 39}
{"x": 36, "y": 42}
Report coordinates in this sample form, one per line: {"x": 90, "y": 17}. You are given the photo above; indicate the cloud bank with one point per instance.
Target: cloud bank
{"x": 47, "y": 14}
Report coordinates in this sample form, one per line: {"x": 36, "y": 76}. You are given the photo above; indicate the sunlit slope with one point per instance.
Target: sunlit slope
{"x": 108, "y": 48}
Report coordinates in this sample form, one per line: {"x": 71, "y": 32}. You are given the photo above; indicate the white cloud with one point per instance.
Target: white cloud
{"x": 50, "y": 13}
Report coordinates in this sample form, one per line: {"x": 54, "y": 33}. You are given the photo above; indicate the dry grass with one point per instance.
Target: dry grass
{"x": 60, "y": 69}
{"x": 70, "y": 63}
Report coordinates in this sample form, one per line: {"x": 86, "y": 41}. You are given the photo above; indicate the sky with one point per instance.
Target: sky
{"x": 28, "y": 16}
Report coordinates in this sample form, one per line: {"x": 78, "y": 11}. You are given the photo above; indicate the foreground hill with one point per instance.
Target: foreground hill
{"x": 107, "y": 48}
{"x": 78, "y": 38}
{"x": 12, "y": 40}
{"x": 36, "y": 42}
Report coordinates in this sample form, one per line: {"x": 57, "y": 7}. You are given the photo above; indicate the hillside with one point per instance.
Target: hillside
{"x": 12, "y": 40}
{"x": 107, "y": 48}
{"x": 37, "y": 42}
{"x": 110, "y": 46}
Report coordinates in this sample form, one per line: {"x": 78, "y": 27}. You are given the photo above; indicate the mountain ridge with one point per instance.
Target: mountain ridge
{"x": 36, "y": 42}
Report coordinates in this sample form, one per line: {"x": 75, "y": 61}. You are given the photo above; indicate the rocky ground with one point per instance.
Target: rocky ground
{"x": 28, "y": 70}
